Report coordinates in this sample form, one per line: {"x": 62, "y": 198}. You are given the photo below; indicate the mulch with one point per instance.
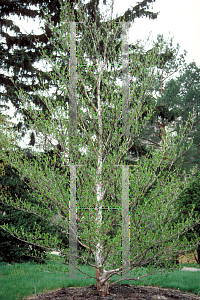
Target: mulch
{"x": 118, "y": 292}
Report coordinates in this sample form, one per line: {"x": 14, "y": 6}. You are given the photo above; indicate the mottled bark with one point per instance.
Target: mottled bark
{"x": 103, "y": 289}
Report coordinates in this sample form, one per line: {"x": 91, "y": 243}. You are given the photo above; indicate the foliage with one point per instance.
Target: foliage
{"x": 174, "y": 100}
{"x": 187, "y": 199}
{"x": 12, "y": 249}
{"x": 21, "y": 52}
{"x": 154, "y": 236}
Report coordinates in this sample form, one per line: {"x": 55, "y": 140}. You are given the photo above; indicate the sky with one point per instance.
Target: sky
{"x": 177, "y": 18}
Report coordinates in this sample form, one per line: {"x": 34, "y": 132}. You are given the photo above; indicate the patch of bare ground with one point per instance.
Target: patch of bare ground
{"x": 118, "y": 292}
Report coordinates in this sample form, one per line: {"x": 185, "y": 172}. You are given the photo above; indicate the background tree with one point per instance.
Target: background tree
{"x": 178, "y": 97}
{"x": 21, "y": 51}
{"x": 182, "y": 94}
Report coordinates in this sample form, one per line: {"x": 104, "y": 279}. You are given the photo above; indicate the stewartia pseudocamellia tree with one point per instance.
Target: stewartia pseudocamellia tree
{"x": 86, "y": 100}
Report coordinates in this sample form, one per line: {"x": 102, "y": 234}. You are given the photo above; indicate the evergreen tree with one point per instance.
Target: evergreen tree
{"x": 20, "y": 51}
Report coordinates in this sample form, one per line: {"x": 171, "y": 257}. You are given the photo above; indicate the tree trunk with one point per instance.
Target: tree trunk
{"x": 197, "y": 258}
{"x": 100, "y": 274}
{"x": 103, "y": 289}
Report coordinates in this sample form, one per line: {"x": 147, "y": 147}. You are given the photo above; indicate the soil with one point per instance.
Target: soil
{"x": 118, "y": 292}
{"x": 189, "y": 258}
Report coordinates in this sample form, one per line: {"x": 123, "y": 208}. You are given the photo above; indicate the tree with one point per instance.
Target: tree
{"x": 21, "y": 52}
{"x": 184, "y": 90}
{"x": 163, "y": 114}
{"x": 27, "y": 51}
{"x": 153, "y": 235}
{"x": 175, "y": 99}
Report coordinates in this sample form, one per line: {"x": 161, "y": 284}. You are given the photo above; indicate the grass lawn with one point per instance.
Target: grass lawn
{"x": 18, "y": 281}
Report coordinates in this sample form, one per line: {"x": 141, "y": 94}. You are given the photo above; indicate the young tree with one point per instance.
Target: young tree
{"x": 153, "y": 235}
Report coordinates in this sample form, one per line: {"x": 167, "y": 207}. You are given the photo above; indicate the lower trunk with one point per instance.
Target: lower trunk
{"x": 103, "y": 289}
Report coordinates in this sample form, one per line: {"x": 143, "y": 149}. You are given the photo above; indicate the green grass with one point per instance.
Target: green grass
{"x": 18, "y": 281}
